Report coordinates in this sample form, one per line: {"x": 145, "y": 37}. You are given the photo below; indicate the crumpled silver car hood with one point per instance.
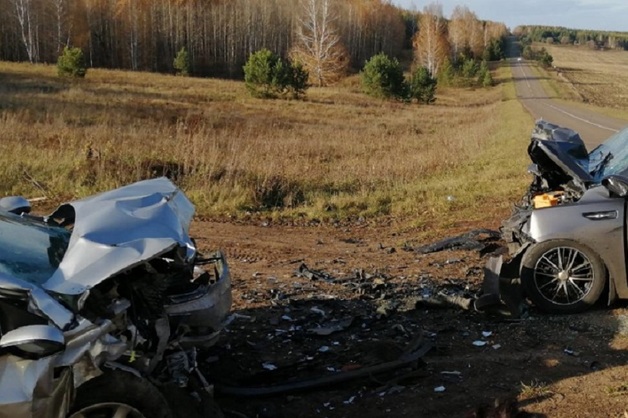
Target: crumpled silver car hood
{"x": 119, "y": 229}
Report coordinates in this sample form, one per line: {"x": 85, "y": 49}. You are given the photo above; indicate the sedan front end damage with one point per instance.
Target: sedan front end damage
{"x": 115, "y": 280}
{"x": 39, "y": 365}
{"x": 567, "y": 237}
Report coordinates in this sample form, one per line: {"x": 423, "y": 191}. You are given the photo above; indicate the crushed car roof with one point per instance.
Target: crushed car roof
{"x": 562, "y": 152}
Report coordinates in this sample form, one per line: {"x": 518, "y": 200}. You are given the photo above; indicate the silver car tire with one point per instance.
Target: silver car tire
{"x": 118, "y": 394}
{"x": 562, "y": 276}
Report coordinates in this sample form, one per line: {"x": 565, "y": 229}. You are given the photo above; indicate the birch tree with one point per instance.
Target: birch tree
{"x": 369, "y": 27}
{"x": 318, "y": 46}
{"x": 25, "y": 16}
{"x": 461, "y": 27}
{"x": 127, "y": 11}
{"x": 477, "y": 39}
{"x": 61, "y": 13}
{"x": 431, "y": 47}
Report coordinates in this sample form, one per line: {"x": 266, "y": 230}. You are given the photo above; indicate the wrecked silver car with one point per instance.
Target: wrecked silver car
{"x": 568, "y": 236}
{"x": 104, "y": 303}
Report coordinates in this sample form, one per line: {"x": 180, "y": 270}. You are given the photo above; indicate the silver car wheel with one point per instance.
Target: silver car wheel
{"x": 108, "y": 410}
{"x": 563, "y": 275}
{"x": 119, "y": 394}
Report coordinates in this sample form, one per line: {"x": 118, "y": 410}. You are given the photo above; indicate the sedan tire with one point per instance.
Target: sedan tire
{"x": 119, "y": 394}
{"x": 562, "y": 276}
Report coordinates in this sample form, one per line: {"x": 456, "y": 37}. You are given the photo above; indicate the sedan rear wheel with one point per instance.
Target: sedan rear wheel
{"x": 562, "y": 276}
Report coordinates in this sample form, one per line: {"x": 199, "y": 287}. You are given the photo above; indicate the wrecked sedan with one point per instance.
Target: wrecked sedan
{"x": 568, "y": 236}
{"x": 104, "y": 303}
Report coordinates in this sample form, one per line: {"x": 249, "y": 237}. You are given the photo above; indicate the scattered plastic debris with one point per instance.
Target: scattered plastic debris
{"x": 571, "y": 352}
{"x": 473, "y": 240}
{"x": 269, "y": 366}
{"x": 409, "y": 356}
{"x": 479, "y": 343}
{"x": 486, "y": 334}
{"x": 451, "y": 373}
{"x": 318, "y": 311}
{"x": 331, "y": 327}
{"x": 439, "y": 389}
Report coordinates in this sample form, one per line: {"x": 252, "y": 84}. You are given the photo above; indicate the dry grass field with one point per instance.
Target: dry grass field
{"x": 598, "y": 76}
{"x": 336, "y": 155}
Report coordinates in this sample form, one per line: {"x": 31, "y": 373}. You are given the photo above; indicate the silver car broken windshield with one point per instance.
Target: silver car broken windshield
{"x": 30, "y": 250}
{"x": 611, "y": 157}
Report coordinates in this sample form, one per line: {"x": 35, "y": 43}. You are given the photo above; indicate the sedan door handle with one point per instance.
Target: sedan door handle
{"x": 601, "y": 216}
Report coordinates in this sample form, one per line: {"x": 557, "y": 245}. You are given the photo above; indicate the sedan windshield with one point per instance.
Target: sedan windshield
{"x": 30, "y": 250}
{"x": 611, "y": 157}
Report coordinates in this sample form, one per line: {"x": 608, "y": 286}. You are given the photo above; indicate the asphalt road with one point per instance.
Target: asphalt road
{"x": 593, "y": 127}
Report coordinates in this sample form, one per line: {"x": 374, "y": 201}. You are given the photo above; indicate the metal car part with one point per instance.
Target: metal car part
{"x": 39, "y": 302}
{"x": 120, "y": 229}
{"x": 35, "y": 341}
{"x": 44, "y": 387}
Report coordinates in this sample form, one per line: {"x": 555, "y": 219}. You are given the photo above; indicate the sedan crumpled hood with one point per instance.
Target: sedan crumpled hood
{"x": 119, "y": 229}
{"x": 560, "y": 155}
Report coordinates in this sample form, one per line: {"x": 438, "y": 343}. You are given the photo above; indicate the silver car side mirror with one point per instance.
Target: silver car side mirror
{"x": 617, "y": 185}
{"x": 33, "y": 341}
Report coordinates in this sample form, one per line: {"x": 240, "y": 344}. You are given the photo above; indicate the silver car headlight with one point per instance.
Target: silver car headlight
{"x": 33, "y": 341}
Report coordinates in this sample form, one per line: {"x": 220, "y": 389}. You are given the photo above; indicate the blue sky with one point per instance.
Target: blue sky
{"x": 577, "y": 14}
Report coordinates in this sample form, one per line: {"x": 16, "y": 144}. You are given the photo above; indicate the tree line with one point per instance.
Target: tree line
{"x": 566, "y": 36}
{"x": 220, "y": 35}
{"x": 457, "y": 50}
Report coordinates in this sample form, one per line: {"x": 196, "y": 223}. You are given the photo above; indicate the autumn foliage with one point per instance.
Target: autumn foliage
{"x": 318, "y": 46}
{"x": 447, "y": 46}
{"x": 327, "y": 38}
{"x": 431, "y": 45}
{"x": 219, "y": 35}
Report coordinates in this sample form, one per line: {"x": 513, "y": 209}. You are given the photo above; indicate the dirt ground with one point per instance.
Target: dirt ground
{"x": 363, "y": 307}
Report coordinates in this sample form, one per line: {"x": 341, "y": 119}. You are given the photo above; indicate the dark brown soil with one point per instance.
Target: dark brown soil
{"x": 370, "y": 282}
